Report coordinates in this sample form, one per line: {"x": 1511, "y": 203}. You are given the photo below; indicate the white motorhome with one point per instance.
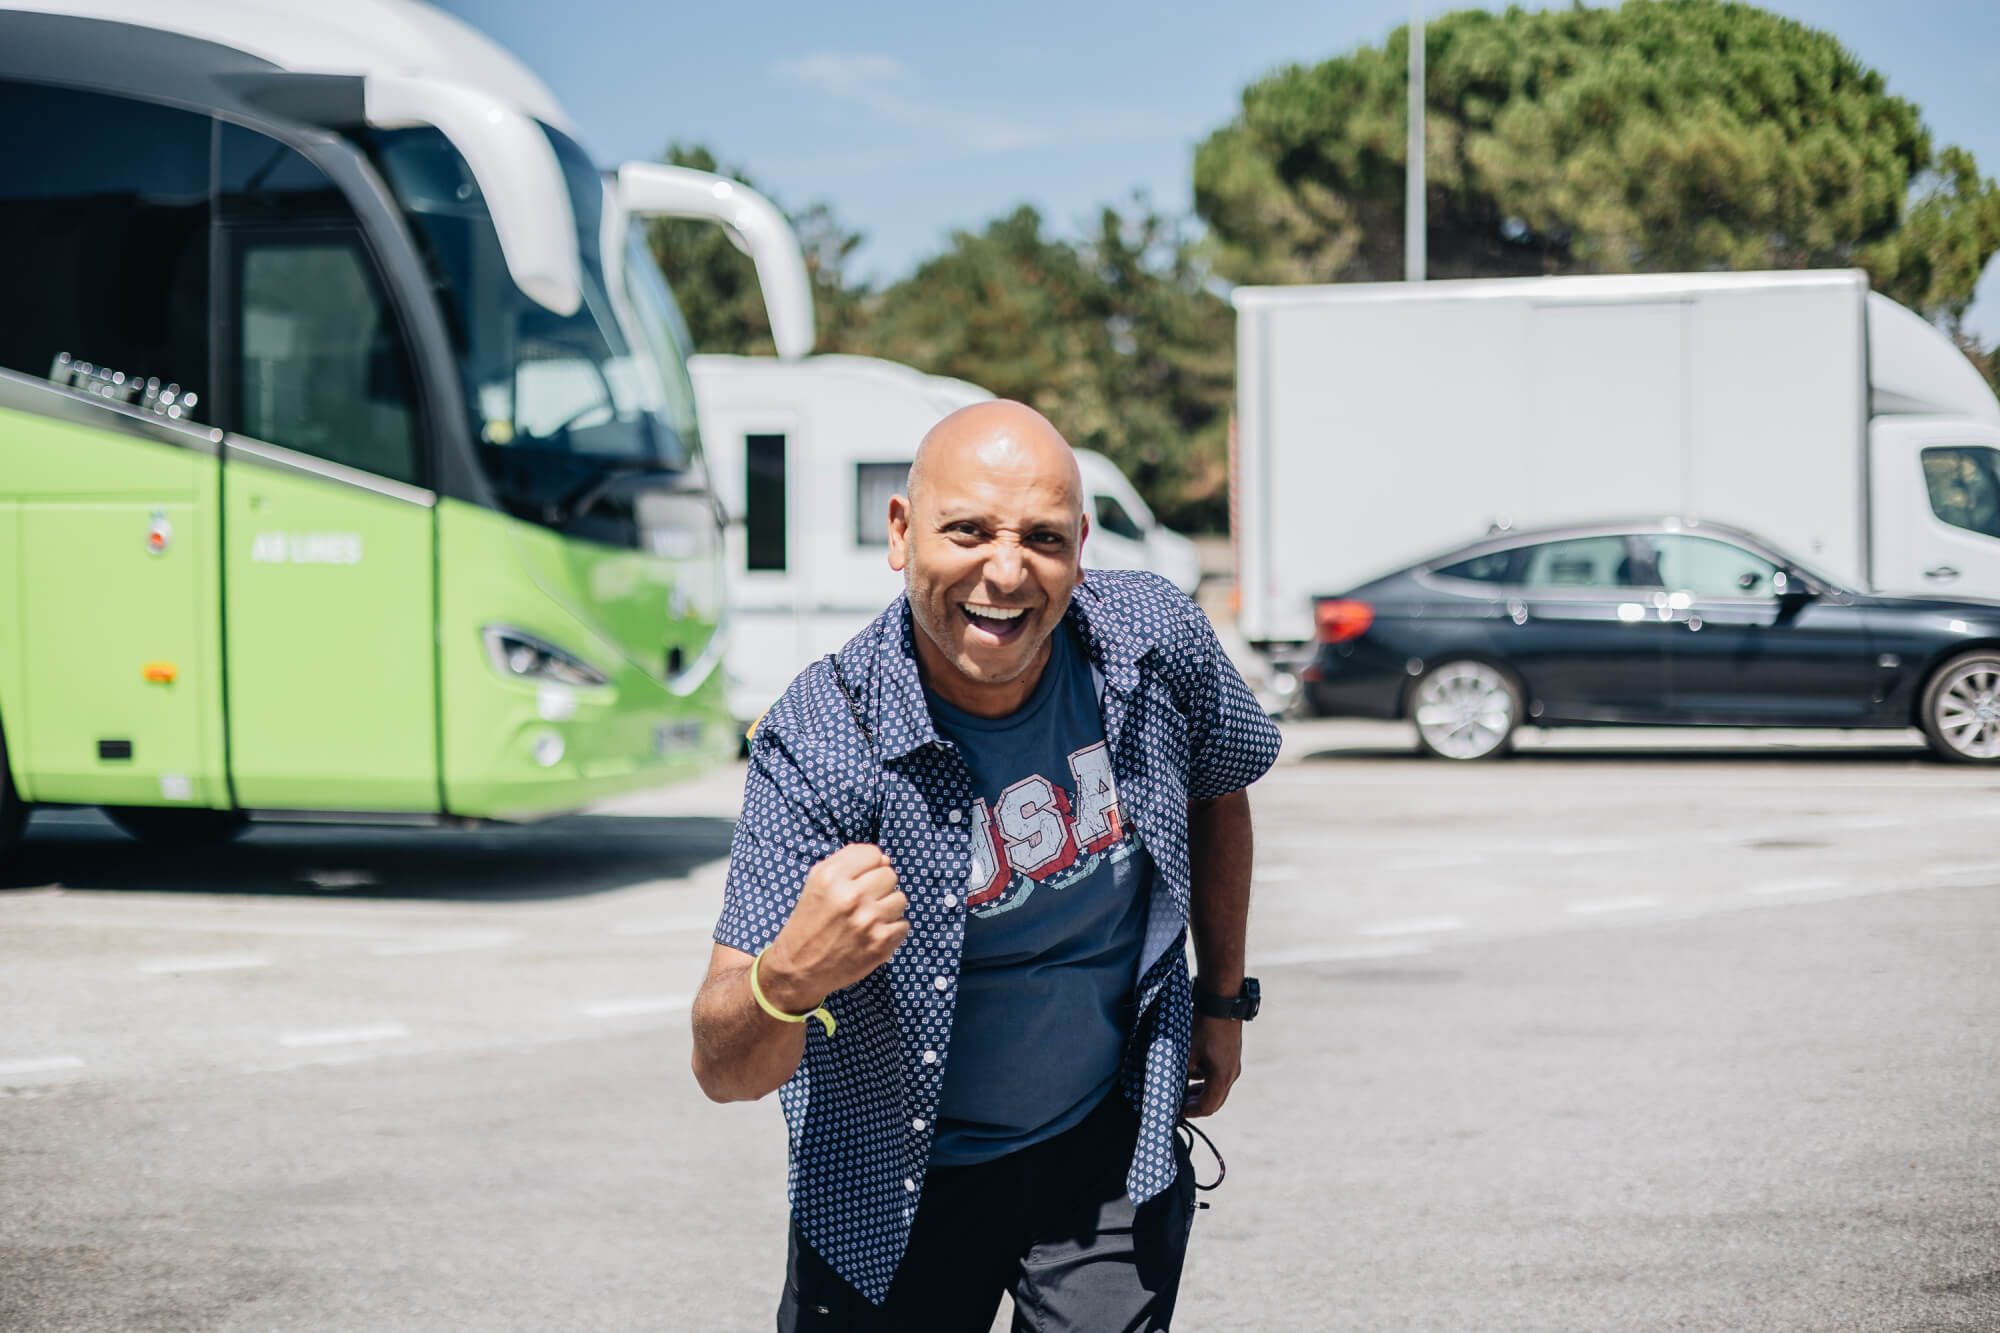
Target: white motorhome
{"x": 804, "y": 456}
{"x": 1380, "y": 423}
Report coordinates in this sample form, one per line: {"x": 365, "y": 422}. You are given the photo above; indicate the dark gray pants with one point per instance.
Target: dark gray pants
{"x": 1050, "y": 1224}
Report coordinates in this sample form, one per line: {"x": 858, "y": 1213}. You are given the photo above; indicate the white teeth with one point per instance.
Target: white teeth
{"x": 984, "y": 612}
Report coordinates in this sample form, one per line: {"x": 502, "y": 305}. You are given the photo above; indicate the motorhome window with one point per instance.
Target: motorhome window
{"x": 1964, "y": 486}
{"x": 1584, "y": 563}
{"x": 104, "y": 245}
{"x": 569, "y": 411}
{"x": 1110, "y": 516}
{"x": 321, "y": 366}
{"x": 764, "y": 501}
{"x": 874, "y": 484}
{"x": 1706, "y": 567}
{"x": 1493, "y": 567}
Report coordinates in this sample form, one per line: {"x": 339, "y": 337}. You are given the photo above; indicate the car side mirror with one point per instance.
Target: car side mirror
{"x": 1792, "y": 589}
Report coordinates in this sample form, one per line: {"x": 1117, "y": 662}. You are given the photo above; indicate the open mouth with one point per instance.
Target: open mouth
{"x": 1001, "y": 624}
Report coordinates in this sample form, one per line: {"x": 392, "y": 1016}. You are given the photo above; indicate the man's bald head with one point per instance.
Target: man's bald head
{"x": 989, "y": 540}
{"x": 996, "y": 435}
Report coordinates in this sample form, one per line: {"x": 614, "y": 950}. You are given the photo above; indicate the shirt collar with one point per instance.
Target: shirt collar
{"x": 902, "y": 718}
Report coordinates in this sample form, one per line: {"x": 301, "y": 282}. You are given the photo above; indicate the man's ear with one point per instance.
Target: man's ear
{"x": 1083, "y": 535}
{"x": 899, "y": 532}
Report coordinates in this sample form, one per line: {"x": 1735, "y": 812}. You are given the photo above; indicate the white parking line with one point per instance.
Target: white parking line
{"x": 1601, "y": 906}
{"x": 670, "y": 925}
{"x": 636, "y": 1005}
{"x": 207, "y": 962}
{"x": 1949, "y": 869}
{"x": 197, "y": 925}
{"x": 40, "y": 1064}
{"x": 458, "y": 943}
{"x": 1340, "y": 953}
{"x": 1436, "y": 861}
{"x": 1804, "y": 884}
{"x": 1416, "y": 925}
{"x": 344, "y": 1036}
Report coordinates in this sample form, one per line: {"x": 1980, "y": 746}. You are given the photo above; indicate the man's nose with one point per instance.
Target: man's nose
{"x": 1006, "y": 566}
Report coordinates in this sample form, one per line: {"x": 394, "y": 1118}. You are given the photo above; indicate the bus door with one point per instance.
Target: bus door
{"x": 329, "y": 588}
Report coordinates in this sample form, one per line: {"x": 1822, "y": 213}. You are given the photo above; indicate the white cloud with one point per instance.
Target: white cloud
{"x": 840, "y": 73}
{"x": 878, "y": 81}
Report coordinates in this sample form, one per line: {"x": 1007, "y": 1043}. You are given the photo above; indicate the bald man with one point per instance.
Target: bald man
{"x": 974, "y": 846}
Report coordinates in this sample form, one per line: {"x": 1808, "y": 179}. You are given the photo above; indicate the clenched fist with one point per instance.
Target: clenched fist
{"x": 849, "y": 919}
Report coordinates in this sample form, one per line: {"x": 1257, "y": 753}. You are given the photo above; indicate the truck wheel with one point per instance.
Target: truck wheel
{"x": 164, "y": 826}
{"x": 1465, "y": 710}
{"x": 1961, "y": 709}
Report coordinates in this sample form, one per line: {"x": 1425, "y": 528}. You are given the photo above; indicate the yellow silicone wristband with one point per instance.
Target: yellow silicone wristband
{"x": 819, "y": 1011}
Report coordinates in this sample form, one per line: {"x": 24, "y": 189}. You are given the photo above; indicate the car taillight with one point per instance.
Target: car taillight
{"x": 1339, "y": 620}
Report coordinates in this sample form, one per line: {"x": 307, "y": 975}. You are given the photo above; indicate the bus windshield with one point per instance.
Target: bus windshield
{"x": 561, "y": 406}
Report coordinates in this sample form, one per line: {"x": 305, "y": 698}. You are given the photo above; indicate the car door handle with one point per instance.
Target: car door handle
{"x": 1941, "y": 573}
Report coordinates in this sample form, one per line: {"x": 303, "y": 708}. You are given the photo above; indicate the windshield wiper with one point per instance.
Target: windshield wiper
{"x": 558, "y": 513}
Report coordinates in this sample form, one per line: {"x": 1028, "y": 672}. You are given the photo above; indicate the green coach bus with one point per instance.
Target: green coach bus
{"x": 349, "y": 467}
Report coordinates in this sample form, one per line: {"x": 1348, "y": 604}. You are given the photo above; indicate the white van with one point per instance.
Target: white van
{"x": 804, "y": 456}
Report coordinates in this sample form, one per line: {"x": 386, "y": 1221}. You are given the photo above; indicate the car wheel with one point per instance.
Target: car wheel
{"x": 165, "y": 826}
{"x": 1961, "y": 709}
{"x": 1465, "y": 710}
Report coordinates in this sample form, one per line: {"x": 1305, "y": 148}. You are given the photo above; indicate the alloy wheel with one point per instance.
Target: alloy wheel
{"x": 1465, "y": 710}
{"x": 1965, "y": 709}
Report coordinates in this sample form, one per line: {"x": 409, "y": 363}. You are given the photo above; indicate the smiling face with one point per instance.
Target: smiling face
{"x": 988, "y": 541}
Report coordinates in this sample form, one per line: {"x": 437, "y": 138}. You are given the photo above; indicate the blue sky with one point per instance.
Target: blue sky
{"x": 913, "y": 120}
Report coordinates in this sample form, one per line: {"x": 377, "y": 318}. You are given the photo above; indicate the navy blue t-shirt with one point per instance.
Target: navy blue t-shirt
{"x": 1056, "y": 913}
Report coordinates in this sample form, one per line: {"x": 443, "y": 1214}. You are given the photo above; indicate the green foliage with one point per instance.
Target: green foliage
{"x": 1660, "y": 135}
{"x": 1116, "y": 340}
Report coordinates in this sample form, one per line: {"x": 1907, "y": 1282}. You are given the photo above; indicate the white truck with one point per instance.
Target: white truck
{"x": 1380, "y": 423}
{"x": 804, "y": 456}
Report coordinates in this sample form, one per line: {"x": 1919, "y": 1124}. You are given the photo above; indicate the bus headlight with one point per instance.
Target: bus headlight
{"x": 521, "y": 655}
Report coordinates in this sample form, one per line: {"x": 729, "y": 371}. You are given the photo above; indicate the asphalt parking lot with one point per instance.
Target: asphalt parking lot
{"x": 1630, "y": 1031}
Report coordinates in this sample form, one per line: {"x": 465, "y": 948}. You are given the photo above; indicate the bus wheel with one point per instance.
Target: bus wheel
{"x": 13, "y": 813}
{"x": 163, "y": 826}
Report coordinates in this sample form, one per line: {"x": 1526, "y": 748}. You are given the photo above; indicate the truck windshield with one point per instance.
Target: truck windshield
{"x": 561, "y": 406}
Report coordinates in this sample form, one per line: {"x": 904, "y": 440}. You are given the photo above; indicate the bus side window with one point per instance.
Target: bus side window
{"x": 318, "y": 360}
{"x": 104, "y": 213}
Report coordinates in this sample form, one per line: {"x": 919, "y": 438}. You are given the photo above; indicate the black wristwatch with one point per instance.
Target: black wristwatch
{"x": 1241, "y": 1006}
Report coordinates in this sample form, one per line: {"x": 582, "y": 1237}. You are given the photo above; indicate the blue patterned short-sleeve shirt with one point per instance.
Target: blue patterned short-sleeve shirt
{"x": 1180, "y": 725}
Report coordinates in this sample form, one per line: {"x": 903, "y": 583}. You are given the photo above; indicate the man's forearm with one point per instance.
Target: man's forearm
{"x": 740, "y": 1052}
{"x": 1219, "y": 855}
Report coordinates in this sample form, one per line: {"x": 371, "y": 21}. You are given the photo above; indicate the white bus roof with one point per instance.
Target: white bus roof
{"x": 384, "y": 37}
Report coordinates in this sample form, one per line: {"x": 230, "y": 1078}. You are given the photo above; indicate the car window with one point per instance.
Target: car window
{"x": 1706, "y": 567}
{"x": 1493, "y": 567}
{"x": 1584, "y": 563}
{"x": 1112, "y": 518}
{"x": 1963, "y": 487}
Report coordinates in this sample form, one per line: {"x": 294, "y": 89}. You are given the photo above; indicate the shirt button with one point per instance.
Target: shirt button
{"x": 955, "y": 815}
{"x": 918, "y": 1124}
{"x": 909, "y": 1184}
{"x": 940, "y": 983}
{"x": 951, "y": 900}
{"x": 930, "y": 1057}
